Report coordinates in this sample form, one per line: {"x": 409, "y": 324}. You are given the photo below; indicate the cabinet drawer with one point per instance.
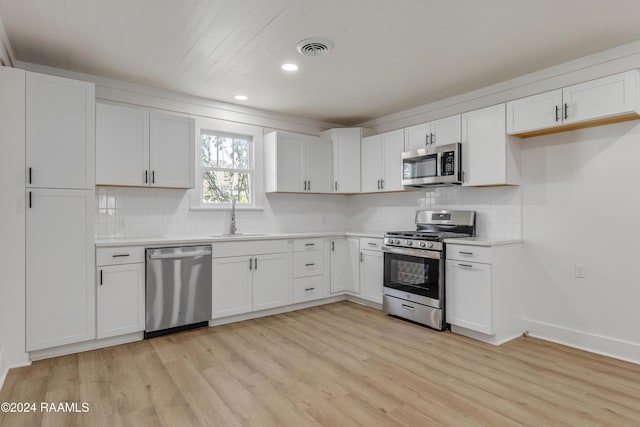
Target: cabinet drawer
{"x": 469, "y": 253}
{"x": 367, "y": 243}
{"x": 308, "y": 288}
{"x": 308, "y": 263}
{"x": 122, "y": 255}
{"x": 300, "y": 245}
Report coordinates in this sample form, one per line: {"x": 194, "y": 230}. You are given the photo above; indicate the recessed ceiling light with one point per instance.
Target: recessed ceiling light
{"x": 241, "y": 97}
{"x": 290, "y": 67}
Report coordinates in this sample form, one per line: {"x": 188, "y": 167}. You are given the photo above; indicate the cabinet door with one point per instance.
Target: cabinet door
{"x": 60, "y": 132}
{"x": 232, "y": 283}
{"x": 392, "y": 147}
{"x": 120, "y": 299}
{"x": 345, "y": 271}
{"x": 418, "y": 136}
{"x": 318, "y": 165}
{"x": 272, "y": 281}
{"x": 446, "y": 131}
{"x": 484, "y": 146}
{"x": 535, "y": 112}
{"x": 606, "y": 97}
{"x": 468, "y": 290}
{"x": 171, "y": 151}
{"x": 346, "y": 160}
{"x": 371, "y": 163}
{"x": 371, "y": 275}
{"x": 122, "y": 145}
{"x": 290, "y": 162}
{"x": 60, "y": 268}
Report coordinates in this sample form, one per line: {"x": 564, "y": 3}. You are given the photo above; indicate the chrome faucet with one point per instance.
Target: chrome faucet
{"x": 232, "y": 226}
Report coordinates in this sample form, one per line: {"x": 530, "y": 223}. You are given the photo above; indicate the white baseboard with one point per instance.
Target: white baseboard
{"x": 363, "y": 301}
{"x": 63, "y": 350}
{"x": 594, "y": 343}
{"x": 277, "y": 310}
{"x": 489, "y": 339}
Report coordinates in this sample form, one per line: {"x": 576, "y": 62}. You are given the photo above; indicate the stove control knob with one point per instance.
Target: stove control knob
{"x": 396, "y": 241}
{"x": 430, "y": 245}
{"x": 409, "y": 243}
{"x": 423, "y": 244}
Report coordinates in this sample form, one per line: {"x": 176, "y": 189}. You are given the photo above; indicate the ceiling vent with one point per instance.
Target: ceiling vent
{"x": 314, "y": 47}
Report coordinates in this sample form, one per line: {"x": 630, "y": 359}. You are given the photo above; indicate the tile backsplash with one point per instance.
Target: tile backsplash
{"x": 153, "y": 212}
{"x": 143, "y": 212}
{"x": 498, "y": 209}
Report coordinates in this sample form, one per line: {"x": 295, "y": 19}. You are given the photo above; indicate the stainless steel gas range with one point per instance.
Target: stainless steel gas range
{"x": 414, "y": 265}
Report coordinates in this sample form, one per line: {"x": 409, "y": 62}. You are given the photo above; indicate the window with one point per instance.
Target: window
{"x": 226, "y": 169}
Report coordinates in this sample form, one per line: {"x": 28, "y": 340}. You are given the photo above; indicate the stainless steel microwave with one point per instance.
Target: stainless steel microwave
{"x": 432, "y": 166}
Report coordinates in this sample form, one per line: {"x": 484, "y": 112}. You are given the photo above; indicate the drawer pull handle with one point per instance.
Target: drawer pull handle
{"x": 466, "y": 265}
{"x": 309, "y": 244}
{"x": 119, "y": 255}
{"x": 408, "y": 307}
{"x": 100, "y": 277}
{"x": 308, "y": 289}
{"x": 372, "y": 244}
{"x": 310, "y": 264}
{"x": 465, "y": 253}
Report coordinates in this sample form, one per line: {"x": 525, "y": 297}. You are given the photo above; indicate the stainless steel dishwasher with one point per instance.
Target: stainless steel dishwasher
{"x": 178, "y": 291}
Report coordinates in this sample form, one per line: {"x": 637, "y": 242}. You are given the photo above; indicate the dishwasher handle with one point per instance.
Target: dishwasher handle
{"x": 176, "y": 255}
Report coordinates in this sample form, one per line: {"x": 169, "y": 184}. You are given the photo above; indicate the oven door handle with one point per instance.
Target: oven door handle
{"x": 420, "y": 253}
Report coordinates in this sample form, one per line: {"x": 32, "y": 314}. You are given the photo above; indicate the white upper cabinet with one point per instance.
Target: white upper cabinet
{"x": 382, "y": 162}
{"x": 606, "y": 97}
{"x": 346, "y": 158}
{"x": 137, "y": 148}
{"x": 122, "y": 145}
{"x": 60, "y": 136}
{"x": 171, "y": 150}
{"x": 489, "y": 155}
{"x": 297, "y": 163}
{"x": 438, "y": 132}
{"x": 535, "y": 112}
{"x": 604, "y": 100}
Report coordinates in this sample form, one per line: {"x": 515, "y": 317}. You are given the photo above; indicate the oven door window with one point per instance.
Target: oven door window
{"x": 420, "y": 167}
{"x": 412, "y": 274}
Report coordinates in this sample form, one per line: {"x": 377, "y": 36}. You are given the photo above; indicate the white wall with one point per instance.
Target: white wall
{"x": 12, "y": 220}
{"x": 581, "y": 204}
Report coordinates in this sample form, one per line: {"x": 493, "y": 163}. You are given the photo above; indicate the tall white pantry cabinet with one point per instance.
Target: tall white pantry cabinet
{"x": 60, "y": 197}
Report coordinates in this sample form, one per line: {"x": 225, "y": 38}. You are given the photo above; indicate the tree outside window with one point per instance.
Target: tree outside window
{"x": 226, "y": 168}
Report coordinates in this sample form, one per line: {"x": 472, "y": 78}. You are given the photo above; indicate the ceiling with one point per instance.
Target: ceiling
{"x": 389, "y": 55}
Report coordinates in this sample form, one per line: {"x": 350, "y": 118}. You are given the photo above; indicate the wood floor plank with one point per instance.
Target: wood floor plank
{"x": 341, "y": 364}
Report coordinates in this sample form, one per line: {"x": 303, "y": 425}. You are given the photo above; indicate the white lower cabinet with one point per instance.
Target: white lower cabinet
{"x": 256, "y": 277}
{"x": 469, "y": 295}
{"x": 232, "y": 286}
{"x": 271, "y": 281}
{"x": 120, "y": 291}
{"x": 60, "y": 267}
{"x": 483, "y": 291}
{"x": 120, "y": 299}
{"x": 371, "y": 269}
{"x": 345, "y": 274}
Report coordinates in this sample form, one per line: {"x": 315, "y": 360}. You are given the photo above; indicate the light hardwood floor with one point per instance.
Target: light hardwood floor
{"x": 336, "y": 365}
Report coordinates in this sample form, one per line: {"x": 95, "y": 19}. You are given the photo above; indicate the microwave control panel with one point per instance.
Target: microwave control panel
{"x": 448, "y": 163}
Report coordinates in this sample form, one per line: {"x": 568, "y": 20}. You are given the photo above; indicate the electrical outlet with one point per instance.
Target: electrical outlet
{"x": 581, "y": 271}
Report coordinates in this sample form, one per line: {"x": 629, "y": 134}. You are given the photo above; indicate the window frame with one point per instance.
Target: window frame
{"x": 221, "y": 127}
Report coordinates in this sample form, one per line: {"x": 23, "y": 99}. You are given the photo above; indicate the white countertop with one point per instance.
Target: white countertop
{"x": 175, "y": 240}
{"x": 484, "y": 241}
